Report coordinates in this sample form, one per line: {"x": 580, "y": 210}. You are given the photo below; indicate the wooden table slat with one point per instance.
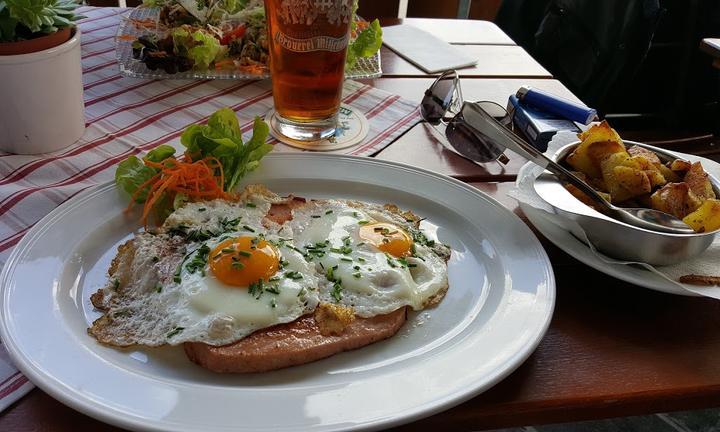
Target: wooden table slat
{"x": 494, "y": 61}
{"x": 460, "y": 31}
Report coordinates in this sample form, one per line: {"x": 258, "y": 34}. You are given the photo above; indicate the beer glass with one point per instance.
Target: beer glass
{"x": 308, "y": 42}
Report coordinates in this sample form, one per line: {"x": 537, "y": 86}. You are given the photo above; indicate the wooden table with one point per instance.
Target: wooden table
{"x": 612, "y": 349}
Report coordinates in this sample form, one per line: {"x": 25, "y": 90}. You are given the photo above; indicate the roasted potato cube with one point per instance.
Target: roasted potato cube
{"x": 680, "y": 166}
{"x": 656, "y": 178}
{"x": 676, "y": 199}
{"x": 598, "y": 142}
{"x": 670, "y": 175}
{"x": 647, "y": 154}
{"x": 588, "y": 156}
{"x": 697, "y": 179}
{"x": 600, "y": 132}
{"x": 632, "y": 180}
{"x": 623, "y": 177}
{"x": 706, "y": 218}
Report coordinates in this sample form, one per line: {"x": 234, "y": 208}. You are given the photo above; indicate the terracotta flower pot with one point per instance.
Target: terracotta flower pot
{"x": 42, "y": 107}
{"x": 38, "y": 44}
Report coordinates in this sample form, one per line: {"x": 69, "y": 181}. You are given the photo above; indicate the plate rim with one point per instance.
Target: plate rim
{"x": 58, "y": 390}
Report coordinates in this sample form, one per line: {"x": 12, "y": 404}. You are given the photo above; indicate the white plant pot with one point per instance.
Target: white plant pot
{"x": 41, "y": 99}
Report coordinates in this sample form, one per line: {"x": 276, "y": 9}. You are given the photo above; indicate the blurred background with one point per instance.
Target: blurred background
{"x": 638, "y": 62}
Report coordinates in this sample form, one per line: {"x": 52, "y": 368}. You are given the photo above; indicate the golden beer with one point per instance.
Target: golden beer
{"x": 308, "y": 43}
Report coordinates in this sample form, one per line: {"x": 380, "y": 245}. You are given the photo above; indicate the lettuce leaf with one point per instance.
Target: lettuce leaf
{"x": 366, "y": 44}
{"x": 160, "y": 153}
{"x": 199, "y": 46}
{"x": 131, "y": 174}
{"x": 221, "y": 138}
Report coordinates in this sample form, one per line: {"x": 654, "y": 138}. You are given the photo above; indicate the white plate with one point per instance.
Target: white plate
{"x": 499, "y": 305}
{"x": 579, "y": 250}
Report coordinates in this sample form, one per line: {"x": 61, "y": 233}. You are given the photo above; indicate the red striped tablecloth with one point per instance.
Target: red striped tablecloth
{"x": 125, "y": 116}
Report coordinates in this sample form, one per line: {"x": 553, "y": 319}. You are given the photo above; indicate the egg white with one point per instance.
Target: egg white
{"x": 370, "y": 281}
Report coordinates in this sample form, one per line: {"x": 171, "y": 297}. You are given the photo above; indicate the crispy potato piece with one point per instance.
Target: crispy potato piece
{"x": 697, "y": 179}
{"x": 600, "y": 132}
{"x": 680, "y": 166}
{"x": 670, "y": 175}
{"x": 676, "y": 199}
{"x": 598, "y": 142}
{"x": 587, "y": 157}
{"x": 632, "y": 180}
{"x": 645, "y": 153}
{"x": 706, "y": 218}
{"x": 624, "y": 178}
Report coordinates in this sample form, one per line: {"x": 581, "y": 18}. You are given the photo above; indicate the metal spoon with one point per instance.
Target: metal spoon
{"x": 650, "y": 219}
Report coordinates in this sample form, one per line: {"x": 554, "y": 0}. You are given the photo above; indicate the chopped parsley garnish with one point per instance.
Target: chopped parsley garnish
{"x": 337, "y": 291}
{"x": 244, "y": 253}
{"x": 237, "y": 265}
{"x": 293, "y": 275}
{"x": 251, "y": 205}
{"x": 346, "y": 259}
{"x": 256, "y": 289}
{"x": 116, "y": 284}
{"x": 158, "y": 288}
{"x": 247, "y": 228}
{"x": 315, "y": 216}
{"x": 273, "y": 302}
{"x": 175, "y": 331}
{"x": 328, "y": 212}
{"x": 199, "y": 260}
{"x": 202, "y": 209}
{"x": 357, "y": 275}
{"x": 273, "y": 289}
{"x": 345, "y": 250}
{"x": 229, "y": 224}
{"x": 155, "y": 259}
{"x": 390, "y": 261}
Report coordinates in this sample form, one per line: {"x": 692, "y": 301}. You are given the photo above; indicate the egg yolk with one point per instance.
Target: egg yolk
{"x": 242, "y": 261}
{"x": 388, "y": 238}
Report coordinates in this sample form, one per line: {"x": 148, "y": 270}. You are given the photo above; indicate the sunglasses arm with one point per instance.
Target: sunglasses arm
{"x": 485, "y": 124}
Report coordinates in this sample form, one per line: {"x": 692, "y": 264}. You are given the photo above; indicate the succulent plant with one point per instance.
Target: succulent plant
{"x": 26, "y": 19}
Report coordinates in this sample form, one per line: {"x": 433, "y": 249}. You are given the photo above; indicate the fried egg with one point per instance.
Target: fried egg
{"x": 372, "y": 259}
{"x": 215, "y": 275}
{"x": 217, "y": 271}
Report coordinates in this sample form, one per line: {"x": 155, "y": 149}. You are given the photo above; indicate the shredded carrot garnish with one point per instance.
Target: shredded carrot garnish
{"x": 202, "y": 179}
{"x": 225, "y": 64}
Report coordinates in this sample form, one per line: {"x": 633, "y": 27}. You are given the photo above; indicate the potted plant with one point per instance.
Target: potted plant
{"x": 40, "y": 76}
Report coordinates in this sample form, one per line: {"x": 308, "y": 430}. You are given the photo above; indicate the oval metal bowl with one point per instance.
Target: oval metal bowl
{"x": 614, "y": 238}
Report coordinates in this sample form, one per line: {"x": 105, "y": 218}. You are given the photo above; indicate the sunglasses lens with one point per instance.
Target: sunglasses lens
{"x": 469, "y": 143}
{"x": 438, "y": 98}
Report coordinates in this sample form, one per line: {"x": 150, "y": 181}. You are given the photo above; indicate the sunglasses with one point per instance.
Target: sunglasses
{"x": 445, "y": 97}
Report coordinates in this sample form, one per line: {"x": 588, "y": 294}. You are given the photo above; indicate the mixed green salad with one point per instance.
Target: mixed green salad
{"x": 214, "y": 162}
{"x": 206, "y": 35}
